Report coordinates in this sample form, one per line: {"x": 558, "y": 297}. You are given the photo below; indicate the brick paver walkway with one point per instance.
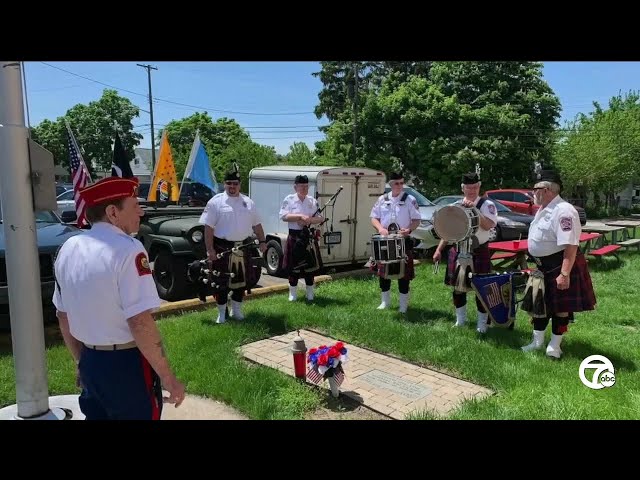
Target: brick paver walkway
{"x": 385, "y": 384}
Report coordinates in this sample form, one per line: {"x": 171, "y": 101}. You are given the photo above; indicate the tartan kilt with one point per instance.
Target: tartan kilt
{"x": 579, "y": 297}
{"x": 481, "y": 262}
{"x": 409, "y": 269}
{"x": 287, "y": 264}
{"x": 251, "y": 267}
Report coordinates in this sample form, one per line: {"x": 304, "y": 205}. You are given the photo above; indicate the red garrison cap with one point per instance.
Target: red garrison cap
{"x": 109, "y": 189}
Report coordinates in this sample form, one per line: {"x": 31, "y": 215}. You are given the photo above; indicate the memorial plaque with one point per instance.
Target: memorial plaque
{"x": 395, "y": 384}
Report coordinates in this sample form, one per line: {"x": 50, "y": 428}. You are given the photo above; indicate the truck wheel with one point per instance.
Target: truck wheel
{"x": 273, "y": 258}
{"x": 170, "y": 275}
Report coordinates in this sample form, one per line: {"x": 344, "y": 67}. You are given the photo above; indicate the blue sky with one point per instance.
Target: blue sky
{"x": 274, "y": 101}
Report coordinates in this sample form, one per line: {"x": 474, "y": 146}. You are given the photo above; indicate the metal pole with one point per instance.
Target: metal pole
{"x": 153, "y": 140}
{"x": 21, "y": 250}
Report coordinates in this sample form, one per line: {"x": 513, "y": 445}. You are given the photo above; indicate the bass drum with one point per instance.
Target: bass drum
{"x": 455, "y": 223}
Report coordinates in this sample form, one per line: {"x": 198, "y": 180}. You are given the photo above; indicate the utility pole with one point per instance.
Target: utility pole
{"x": 23, "y": 269}
{"x": 355, "y": 112}
{"x": 153, "y": 140}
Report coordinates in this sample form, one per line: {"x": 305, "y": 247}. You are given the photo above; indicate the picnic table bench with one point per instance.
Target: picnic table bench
{"x": 606, "y": 250}
{"x": 634, "y": 242}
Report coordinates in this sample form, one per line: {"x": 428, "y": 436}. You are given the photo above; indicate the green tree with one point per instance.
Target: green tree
{"x": 93, "y": 125}
{"x": 216, "y": 136}
{"x": 599, "y": 152}
{"x": 500, "y": 115}
{"x": 300, "y": 154}
{"x": 247, "y": 155}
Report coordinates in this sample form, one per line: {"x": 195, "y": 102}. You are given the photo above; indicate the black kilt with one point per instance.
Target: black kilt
{"x": 481, "y": 262}
{"x": 251, "y": 267}
{"x": 579, "y": 297}
{"x": 287, "y": 262}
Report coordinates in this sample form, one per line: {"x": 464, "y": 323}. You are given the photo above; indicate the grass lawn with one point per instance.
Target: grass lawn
{"x": 528, "y": 386}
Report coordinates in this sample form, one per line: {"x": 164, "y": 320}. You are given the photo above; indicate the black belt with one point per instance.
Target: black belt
{"x": 549, "y": 260}
{"x": 294, "y": 233}
{"x": 227, "y": 243}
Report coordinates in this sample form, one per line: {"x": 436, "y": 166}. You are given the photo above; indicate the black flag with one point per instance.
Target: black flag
{"x": 120, "y": 164}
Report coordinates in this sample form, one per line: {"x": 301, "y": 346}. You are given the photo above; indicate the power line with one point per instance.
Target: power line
{"x": 195, "y": 107}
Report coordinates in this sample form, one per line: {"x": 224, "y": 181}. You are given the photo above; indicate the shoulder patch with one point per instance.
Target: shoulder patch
{"x": 285, "y": 204}
{"x": 566, "y": 224}
{"x": 142, "y": 264}
{"x": 492, "y": 208}
{"x": 414, "y": 202}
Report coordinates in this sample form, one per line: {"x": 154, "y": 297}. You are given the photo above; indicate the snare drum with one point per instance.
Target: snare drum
{"x": 388, "y": 248}
{"x": 455, "y": 223}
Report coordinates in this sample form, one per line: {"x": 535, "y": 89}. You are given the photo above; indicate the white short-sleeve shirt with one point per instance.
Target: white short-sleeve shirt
{"x": 389, "y": 209}
{"x": 103, "y": 278}
{"x": 554, "y": 227}
{"x": 232, "y": 218}
{"x": 293, "y": 204}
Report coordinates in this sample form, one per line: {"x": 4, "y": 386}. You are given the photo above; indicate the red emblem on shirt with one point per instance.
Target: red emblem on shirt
{"x": 142, "y": 264}
{"x": 566, "y": 223}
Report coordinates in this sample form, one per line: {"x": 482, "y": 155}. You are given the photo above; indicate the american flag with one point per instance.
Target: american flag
{"x": 80, "y": 176}
{"x": 338, "y": 374}
{"x": 314, "y": 375}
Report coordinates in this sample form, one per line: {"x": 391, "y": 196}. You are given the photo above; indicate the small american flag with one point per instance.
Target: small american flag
{"x": 80, "y": 176}
{"x": 314, "y": 375}
{"x": 338, "y": 374}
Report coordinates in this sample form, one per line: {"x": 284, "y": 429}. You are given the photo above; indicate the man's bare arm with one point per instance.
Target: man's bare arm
{"x": 147, "y": 337}
{"x": 73, "y": 344}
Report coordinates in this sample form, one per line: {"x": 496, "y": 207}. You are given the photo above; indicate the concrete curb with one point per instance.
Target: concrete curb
{"x": 195, "y": 304}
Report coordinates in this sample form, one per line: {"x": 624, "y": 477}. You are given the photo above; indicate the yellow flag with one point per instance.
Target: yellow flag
{"x": 164, "y": 174}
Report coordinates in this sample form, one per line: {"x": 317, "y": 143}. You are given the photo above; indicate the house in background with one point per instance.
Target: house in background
{"x": 140, "y": 166}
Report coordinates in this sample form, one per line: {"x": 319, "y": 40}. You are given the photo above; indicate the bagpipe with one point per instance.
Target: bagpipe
{"x": 235, "y": 267}
{"x": 305, "y": 253}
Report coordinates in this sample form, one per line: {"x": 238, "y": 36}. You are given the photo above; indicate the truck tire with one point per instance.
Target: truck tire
{"x": 170, "y": 275}
{"x": 273, "y": 258}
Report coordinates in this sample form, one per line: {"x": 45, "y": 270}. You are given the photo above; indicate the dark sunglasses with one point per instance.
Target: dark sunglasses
{"x": 232, "y": 183}
{"x": 539, "y": 188}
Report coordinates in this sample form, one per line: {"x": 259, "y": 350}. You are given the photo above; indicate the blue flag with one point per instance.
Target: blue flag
{"x": 198, "y": 167}
{"x": 497, "y": 294}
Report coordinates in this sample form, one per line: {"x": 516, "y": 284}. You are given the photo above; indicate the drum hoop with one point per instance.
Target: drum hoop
{"x": 469, "y": 228}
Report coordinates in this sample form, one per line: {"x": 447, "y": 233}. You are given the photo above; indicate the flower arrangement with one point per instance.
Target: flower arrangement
{"x": 326, "y": 362}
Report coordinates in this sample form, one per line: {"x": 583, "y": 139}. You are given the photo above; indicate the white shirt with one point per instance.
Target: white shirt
{"x": 232, "y": 218}
{"x": 554, "y": 227}
{"x": 104, "y": 278}
{"x": 392, "y": 210}
{"x": 293, "y": 204}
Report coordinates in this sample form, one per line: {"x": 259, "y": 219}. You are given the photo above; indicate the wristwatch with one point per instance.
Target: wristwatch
{"x": 565, "y": 275}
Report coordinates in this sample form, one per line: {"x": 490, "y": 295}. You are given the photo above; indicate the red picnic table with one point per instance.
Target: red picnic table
{"x": 516, "y": 250}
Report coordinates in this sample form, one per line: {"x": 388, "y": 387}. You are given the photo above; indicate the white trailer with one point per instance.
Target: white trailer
{"x": 346, "y": 236}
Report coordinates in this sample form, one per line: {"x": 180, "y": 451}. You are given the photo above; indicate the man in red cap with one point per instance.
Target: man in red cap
{"x": 104, "y": 296}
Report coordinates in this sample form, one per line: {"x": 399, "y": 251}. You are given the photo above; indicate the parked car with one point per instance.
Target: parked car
{"x": 521, "y": 200}
{"x": 511, "y": 225}
{"x": 51, "y": 233}
{"x": 424, "y": 233}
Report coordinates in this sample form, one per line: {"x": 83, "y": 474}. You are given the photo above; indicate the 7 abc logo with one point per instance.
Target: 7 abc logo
{"x": 603, "y": 375}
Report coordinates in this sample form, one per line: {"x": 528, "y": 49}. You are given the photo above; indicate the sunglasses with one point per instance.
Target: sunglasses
{"x": 398, "y": 182}
{"x": 539, "y": 188}
{"x": 232, "y": 184}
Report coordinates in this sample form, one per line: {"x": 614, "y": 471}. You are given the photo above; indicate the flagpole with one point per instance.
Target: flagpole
{"x": 22, "y": 265}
